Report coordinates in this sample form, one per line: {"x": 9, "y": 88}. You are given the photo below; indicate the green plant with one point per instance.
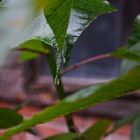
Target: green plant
{"x": 55, "y": 26}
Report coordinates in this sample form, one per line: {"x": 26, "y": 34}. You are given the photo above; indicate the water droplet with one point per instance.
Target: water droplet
{"x": 57, "y": 80}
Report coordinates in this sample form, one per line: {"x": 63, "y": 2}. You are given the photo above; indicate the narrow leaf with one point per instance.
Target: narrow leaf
{"x": 98, "y": 130}
{"x": 71, "y": 18}
{"x": 135, "y": 35}
{"x": 130, "y": 54}
{"x": 106, "y": 92}
{"x": 128, "y": 65}
{"x": 33, "y": 48}
{"x": 58, "y": 19}
{"x": 132, "y": 43}
{"x": 84, "y": 12}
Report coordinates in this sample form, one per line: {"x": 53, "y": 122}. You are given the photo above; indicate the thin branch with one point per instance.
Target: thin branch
{"x": 73, "y": 67}
{"x": 84, "y": 62}
{"x": 60, "y": 90}
{"x": 32, "y": 50}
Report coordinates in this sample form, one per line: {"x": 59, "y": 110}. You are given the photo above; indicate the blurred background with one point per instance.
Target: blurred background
{"x": 32, "y": 80}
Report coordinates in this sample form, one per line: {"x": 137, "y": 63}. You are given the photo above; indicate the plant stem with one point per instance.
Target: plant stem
{"x": 75, "y": 66}
{"x": 60, "y": 90}
{"x": 84, "y": 62}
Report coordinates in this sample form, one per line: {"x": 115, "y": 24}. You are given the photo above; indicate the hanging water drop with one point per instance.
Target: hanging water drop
{"x": 57, "y": 79}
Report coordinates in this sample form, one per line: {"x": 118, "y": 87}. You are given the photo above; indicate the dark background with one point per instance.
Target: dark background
{"x": 107, "y": 33}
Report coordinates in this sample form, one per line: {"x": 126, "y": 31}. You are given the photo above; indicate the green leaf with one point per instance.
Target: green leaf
{"x": 132, "y": 44}
{"x": 65, "y": 136}
{"x": 130, "y": 54}
{"x": 71, "y": 18}
{"x": 84, "y": 12}
{"x": 98, "y": 130}
{"x": 58, "y": 19}
{"x": 9, "y": 118}
{"x": 80, "y": 12}
{"x": 106, "y": 92}
{"x": 135, "y": 35}
{"x": 135, "y": 132}
{"x": 59, "y": 15}
{"x": 33, "y": 48}
{"x": 69, "y": 43}
{"x": 128, "y": 65}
